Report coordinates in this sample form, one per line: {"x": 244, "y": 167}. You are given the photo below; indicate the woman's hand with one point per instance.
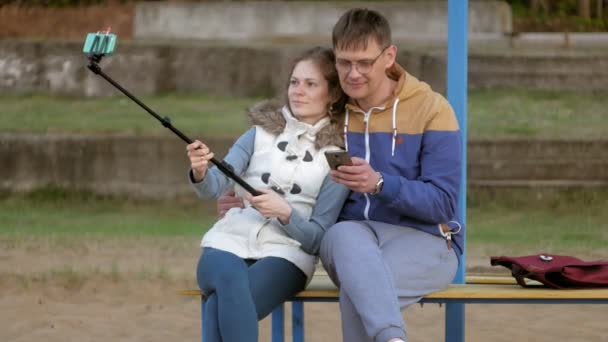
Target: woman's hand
{"x": 199, "y": 155}
{"x": 270, "y": 204}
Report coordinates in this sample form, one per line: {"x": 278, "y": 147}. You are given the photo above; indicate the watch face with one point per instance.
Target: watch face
{"x": 379, "y": 185}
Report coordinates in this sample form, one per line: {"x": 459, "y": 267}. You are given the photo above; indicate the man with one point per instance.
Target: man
{"x": 396, "y": 239}
{"x": 393, "y": 243}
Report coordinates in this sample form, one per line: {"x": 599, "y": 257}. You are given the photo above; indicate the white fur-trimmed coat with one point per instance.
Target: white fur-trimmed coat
{"x": 289, "y": 158}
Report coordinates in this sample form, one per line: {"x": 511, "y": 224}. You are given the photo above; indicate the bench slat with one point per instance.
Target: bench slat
{"x": 486, "y": 291}
{"x": 474, "y": 291}
{"x": 321, "y": 281}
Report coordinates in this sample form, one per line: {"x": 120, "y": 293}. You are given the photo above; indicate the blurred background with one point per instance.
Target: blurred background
{"x": 99, "y": 227}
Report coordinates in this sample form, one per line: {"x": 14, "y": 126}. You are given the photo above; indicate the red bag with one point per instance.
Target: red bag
{"x": 556, "y": 271}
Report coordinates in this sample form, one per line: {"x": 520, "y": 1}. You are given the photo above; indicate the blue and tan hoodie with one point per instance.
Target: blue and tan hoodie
{"x": 414, "y": 142}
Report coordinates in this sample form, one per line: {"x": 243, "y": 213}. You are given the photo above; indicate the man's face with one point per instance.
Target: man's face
{"x": 362, "y": 71}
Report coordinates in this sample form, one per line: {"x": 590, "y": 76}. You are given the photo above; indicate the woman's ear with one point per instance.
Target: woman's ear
{"x": 337, "y": 101}
{"x": 334, "y": 99}
{"x": 337, "y": 95}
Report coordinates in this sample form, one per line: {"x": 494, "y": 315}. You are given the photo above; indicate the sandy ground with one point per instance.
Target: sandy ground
{"x": 126, "y": 290}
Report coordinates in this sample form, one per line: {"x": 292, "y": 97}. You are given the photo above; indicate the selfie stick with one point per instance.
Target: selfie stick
{"x": 224, "y": 167}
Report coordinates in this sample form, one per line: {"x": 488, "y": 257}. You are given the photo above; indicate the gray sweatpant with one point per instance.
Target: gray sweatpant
{"x": 381, "y": 269}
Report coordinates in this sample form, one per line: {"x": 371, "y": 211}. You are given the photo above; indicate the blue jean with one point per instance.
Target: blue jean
{"x": 241, "y": 292}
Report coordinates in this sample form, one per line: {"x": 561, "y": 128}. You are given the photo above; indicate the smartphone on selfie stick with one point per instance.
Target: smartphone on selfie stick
{"x": 103, "y": 43}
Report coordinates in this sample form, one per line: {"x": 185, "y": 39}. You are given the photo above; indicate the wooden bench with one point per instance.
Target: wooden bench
{"x": 477, "y": 290}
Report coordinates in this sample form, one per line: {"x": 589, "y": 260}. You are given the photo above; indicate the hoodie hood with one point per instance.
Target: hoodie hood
{"x": 273, "y": 117}
{"x": 407, "y": 88}
{"x": 407, "y": 85}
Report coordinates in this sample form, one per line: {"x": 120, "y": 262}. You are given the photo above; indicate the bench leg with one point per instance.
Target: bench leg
{"x": 278, "y": 326}
{"x": 454, "y": 322}
{"x": 202, "y": 320}
{"x": 297, "y": 321}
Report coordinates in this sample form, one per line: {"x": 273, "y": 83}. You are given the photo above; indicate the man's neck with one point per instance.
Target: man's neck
{"x": 379, "y": 98}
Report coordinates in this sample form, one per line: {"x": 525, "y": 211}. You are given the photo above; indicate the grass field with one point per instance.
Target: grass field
{"x": 57, "y": 212}
{"x": 576, "y": 224}
{"x": 491, "y": 114}
{"x": 191, "y": 114}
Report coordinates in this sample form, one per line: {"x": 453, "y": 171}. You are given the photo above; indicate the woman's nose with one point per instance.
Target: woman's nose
{"x": 298, "y": 89}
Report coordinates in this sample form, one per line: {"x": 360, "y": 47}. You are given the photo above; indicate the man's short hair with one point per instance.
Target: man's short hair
{"x": 354, "y": 29}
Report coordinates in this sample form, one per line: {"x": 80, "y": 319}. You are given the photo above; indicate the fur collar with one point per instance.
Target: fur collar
{"x": 267, "y": 114}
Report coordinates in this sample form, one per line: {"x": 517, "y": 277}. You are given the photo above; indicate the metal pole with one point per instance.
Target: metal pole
{"x": 277, "y": 324}
{"x": 297, "y": 323}
{"x": 457, "y": 96}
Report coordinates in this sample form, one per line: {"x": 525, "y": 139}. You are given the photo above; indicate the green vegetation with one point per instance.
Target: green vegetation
{"x": 194, "y": 115}
{"x": 575, "y": 223}
{"x": 536, "y": 114}
{"x": 559, "y": 15}
{"x": 492, "y": 113}
{"x": 523, "y": 221}
{"x": 57, "y": 212}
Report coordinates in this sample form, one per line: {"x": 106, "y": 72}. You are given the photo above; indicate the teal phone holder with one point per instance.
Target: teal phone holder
{"x": 99, "y": 44}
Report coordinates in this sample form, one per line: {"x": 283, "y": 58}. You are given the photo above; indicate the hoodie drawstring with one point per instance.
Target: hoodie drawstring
{"x": 345, "y": 131}
{"x": 394, "y": 122}
{"x": 394, "y": 125}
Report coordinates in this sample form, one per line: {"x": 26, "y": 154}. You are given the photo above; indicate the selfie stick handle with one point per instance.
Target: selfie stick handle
{"x": 224, "y": 167}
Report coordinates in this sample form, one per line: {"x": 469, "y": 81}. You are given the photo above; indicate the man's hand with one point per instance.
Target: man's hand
{"x": 228, "y": 201}
{"x": 270, "y": 204}
{"x": 359, "y": 177}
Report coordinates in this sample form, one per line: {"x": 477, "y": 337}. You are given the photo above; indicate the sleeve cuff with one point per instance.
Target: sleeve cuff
{"x": 191, "y": 176}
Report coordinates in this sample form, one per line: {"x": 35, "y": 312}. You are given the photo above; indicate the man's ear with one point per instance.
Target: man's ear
{"x": 391, "y": 55}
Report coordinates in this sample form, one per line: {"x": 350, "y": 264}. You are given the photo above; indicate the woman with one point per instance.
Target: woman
{"x": 256, "y": 257}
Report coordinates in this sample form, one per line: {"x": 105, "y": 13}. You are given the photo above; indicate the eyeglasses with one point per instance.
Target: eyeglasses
{"x": 363, "y": 66}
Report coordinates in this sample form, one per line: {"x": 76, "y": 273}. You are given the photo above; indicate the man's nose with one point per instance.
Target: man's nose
{"x": 354, "y": 72}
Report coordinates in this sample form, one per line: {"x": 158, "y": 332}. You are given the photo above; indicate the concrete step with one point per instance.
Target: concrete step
{"x": 533, "y": 192}
{"x": 260, "y": 68}
{"x": 156, "y": 167}
{"x": 546, "y": 169}
{"x": 533, "y": 150}
{"x": 539, "y": 183}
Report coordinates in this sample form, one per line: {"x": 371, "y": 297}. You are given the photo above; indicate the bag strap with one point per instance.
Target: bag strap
{"x": 519, "y": 273}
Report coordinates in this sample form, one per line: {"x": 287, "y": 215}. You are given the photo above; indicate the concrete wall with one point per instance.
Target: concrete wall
{"x": 550, "y": 72}
{"x": 145, "y": 69}
{"x": 152, "y": 167}
{"x": 410, "y": 20}
{"x": 155, "y": 167}
{"x": 60, "y": 68}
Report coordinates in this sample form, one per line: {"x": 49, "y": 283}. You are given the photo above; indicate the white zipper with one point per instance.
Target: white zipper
{"x": 366, "y": 116}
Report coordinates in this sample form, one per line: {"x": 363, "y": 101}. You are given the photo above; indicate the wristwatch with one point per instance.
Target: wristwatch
{"x": 379, "y": 185}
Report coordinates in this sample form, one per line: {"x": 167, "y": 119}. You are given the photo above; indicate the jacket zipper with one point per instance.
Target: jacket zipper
{"x": 366, "y": 116}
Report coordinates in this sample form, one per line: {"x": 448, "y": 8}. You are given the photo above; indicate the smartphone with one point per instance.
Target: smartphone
{"x": 99, "y": 44}
{"x": 337, "y": 158}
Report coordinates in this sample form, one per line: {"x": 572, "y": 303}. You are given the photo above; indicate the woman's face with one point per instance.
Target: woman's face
{"x": 308, "y": 93}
